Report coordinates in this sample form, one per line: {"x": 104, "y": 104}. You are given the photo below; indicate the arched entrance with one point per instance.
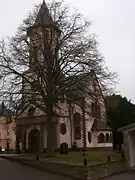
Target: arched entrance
{"x": 34, "y": 141}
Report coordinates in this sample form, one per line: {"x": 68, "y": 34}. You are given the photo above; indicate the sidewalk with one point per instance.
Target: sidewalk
{"x": 9, "y": 155}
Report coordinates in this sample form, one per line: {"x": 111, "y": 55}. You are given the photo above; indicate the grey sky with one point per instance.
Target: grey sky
{"x": 113, "y": 21}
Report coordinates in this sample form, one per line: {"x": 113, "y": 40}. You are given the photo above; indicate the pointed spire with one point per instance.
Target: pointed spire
{"x": 44, "y": 16}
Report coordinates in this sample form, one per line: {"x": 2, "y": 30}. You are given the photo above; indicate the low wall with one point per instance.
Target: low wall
{"x": 94, "y": 172}
{"x": 100, "y": 171}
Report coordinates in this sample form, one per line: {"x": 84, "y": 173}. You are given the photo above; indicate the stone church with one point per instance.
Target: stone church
{"x": 31, "y": 129}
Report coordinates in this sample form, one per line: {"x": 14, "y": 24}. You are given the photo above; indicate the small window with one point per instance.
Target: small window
{"x": 63, "y": 128}
{"x": 89, "y": 137}
{"x": 101, "y": 138}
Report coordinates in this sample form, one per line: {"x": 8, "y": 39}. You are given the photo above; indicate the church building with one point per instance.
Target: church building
{"x": 31, "y": 128}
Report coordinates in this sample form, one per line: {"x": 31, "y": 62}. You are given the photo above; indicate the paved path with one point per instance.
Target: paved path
{"x": 123, "y": 176}
{"x": 14, "y": 171}
{"x": 9, "y": 155}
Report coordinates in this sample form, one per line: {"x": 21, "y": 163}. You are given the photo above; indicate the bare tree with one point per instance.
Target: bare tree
{"x": 51, "y": 56}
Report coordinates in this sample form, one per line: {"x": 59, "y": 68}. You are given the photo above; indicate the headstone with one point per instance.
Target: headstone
{"x": 37, "y": 158}
{"x": 64, "y": 148}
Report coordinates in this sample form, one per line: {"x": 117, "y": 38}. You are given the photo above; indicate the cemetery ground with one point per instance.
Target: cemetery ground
{"x": 76, "y": 157}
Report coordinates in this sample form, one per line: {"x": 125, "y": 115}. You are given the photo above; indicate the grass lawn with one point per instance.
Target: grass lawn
{"x": 76, "y": 157}
{"x": 93, "y": 157}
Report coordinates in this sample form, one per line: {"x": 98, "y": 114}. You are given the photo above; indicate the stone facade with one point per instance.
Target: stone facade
{"x": 93, "y": 130}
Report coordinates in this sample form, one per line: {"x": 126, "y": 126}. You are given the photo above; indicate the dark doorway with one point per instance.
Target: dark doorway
{"x": 34, "y": 141}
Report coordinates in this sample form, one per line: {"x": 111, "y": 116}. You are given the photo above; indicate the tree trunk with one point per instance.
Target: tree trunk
{"x": 114, "y": 140}
{"x": 51, "y": 131}
{"x": 84, "y": 127}
{"x": 71, "y": 123}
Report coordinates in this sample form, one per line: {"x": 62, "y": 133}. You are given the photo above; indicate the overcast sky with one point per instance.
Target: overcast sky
{"x": 113, "y": 21}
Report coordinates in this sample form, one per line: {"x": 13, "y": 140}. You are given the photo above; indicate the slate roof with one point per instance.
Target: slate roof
{"x": 99, "y": 125}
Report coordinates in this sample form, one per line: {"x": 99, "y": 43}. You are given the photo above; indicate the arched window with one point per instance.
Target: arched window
{"x": 89, "y": 137}
{"x": 101, "y": 138}
{"x": 63, "y": 128}
{"x": 107, "y": 137}
{"x": 77, "y": 126}
{"x": 31, "y": 111}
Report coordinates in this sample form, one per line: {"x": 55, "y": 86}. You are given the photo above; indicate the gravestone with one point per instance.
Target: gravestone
{"x": 64, "y": 148}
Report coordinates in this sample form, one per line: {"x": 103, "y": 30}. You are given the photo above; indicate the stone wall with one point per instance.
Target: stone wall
{"x": 106, "y": 169}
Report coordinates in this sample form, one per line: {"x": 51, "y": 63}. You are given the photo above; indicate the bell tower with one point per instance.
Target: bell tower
{"x": 43, "y": 34}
